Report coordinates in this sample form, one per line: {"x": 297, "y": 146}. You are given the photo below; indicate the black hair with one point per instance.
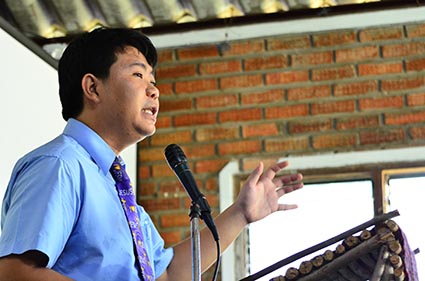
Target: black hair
{"x": 94, "y": 52}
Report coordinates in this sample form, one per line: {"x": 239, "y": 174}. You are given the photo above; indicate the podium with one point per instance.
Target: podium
{"x": 376, "y": 250}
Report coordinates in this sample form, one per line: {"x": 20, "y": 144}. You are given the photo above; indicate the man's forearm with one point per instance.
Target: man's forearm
{"x": 229, "y": 224}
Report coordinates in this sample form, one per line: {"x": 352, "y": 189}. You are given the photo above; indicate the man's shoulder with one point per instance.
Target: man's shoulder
{"x": 62, "y": 148}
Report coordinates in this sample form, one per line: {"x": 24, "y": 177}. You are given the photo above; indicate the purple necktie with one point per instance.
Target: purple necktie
{"x": 126, "y": 193}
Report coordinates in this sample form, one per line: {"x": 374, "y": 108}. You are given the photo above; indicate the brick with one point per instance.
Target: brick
{"x": 269, "y": 62}
{"x": 242, "y": 81}
{"x": 176, "y": 71}
{"x": 210, "y": 165}
{"x": 199, "y": 52}
{"x": 215, "y": 101}
{"x": 289, "y": 43}
{"x": 304, "y": 93}
{"x": 195, "y": 86}
{"x": 403, "y": 83}
{"x": 261, "y": 97}
{"x": 171, "y": 188}
{"x": 219, "y": 67}
{"x": 316, "y": 58}
{"x": 201, "y": 118}
{"x": 175, "y": 104}
{"x": 239, "y": 147}
{"x": 417, "y": 133}
{"x": 242, "y": 47}
{"x": 334, "y": 38}
{"x": 381, "y": 33}
{"x": 333, "y": 141}
{"x": 287, "y": 77}
{"x": 176, "y": 136}
{"x": 145, "y": 189}
{"x": 259, "y": 130}
{"x": 357, "y": 54}
{"x": 417, "y": 99}
{"x": 286, "y": 145}
{"x": 415, "y": 30}
{"x": 404, "y": 118}
{"x": 161, "y": 170}
{"x": 211, "y": 183}
{"x": 403, "y": 50}
{"x": 381, "y": 102}
{"x": 217, "y": 133}
{"x": 171, "y": 237}
{"x": 290, "y": 111}
{"x": 163, "y": 122}
{"x": 415, "y": 64}
{"x": 382, "y": 136}
{"x": 297, "y": 127}
{"x": 357, "y": 122}
{"x": 333, "y": 73}
{"x": 174, "y": 220}
{"x": 197, "y": 151}
{"x": 240, "y": 115}
{"x": 380, "y": 68}
{"x": 165, "y": 55}
{"x": 143, "y": 172}
{"x": 165, "y": 89}
{"x": 333, "y": 107}
{"x": 355, "y": 88}
{"x": 160, "y": 204}
{"x": 150, "y": 154}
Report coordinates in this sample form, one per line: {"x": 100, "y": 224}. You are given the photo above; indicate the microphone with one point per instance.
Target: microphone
{"x": 177, "y": 161}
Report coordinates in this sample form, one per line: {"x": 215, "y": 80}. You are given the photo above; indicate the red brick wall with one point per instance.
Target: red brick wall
{"x": 346, "y": 90}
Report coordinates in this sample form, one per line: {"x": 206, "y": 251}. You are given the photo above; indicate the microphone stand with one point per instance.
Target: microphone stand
{"x": 195, "y": 214}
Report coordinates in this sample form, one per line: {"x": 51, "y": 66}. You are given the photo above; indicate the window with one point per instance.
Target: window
{"x": 325, "y": 210}
{"x": 341, "y": 191}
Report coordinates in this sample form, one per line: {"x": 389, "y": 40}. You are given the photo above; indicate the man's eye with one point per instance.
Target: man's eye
{"x": 140, "y": 75}
{"x": 153, "y": 83}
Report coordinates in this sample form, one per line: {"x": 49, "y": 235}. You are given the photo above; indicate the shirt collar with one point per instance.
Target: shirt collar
{"x": 99, "y": 150}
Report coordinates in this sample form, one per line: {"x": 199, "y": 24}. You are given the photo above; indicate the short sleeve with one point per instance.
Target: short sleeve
{"x": 39, "y": 209}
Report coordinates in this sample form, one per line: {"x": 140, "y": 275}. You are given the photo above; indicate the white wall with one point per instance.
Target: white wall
{"x": 30, "y": 110}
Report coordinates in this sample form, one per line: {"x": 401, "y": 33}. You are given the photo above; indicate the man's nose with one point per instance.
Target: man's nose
{"x": 152, "y": 91}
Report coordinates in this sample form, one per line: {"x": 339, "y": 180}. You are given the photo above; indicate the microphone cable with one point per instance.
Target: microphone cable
{"x": 217, "y": 263}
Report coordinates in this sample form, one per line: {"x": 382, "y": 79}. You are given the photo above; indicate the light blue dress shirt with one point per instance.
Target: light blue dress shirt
{"x": 62, "y": 201}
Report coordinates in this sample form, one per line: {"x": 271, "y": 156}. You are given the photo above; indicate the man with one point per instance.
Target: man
{"x": 62, "y": 218}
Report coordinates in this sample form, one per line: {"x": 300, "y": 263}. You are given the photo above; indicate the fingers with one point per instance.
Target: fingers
{"x": 274, "y": 169}
{"x": 285, "y": 207}
{"x": 287, "y": 179}
{"x": 289, "y": 188}
{"x": 254, "y": 177}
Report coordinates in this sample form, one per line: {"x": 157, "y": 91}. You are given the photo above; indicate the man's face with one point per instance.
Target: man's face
{"x": 130, "y": 100}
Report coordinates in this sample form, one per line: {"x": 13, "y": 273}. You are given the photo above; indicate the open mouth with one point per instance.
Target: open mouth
{"x": 150, "y": 110}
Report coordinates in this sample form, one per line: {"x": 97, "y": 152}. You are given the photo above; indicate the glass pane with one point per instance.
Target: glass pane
{"x": 324, "y": 211}
{"x": 407, "y": 196}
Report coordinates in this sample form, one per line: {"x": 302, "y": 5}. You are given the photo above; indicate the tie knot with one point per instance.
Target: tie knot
{"x": 118, "y": 170}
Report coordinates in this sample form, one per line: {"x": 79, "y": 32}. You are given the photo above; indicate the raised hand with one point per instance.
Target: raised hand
{"x": 262, "y": 190}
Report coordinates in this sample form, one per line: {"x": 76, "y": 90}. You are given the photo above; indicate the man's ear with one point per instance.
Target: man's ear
{"x": 89, "y": 84}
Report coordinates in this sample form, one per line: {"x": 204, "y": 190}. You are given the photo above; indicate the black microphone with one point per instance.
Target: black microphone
{"x": 178, "y": 163}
